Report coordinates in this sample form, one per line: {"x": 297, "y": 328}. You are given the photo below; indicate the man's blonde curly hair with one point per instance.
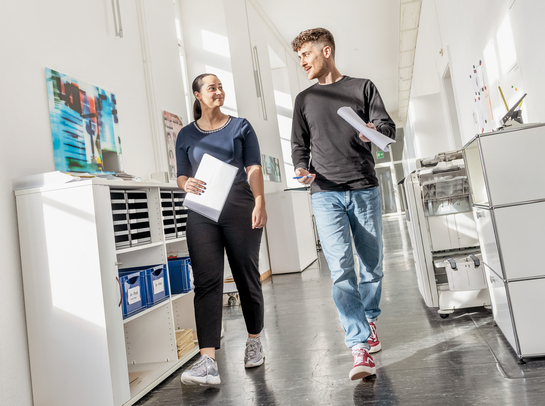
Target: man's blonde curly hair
{"x": 317, "y": 36}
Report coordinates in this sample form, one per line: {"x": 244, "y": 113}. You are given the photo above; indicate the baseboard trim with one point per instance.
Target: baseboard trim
{"x": 266, "y": 275}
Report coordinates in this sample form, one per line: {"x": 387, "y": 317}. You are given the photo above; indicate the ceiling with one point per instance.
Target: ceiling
{"x": 367, "y": 36}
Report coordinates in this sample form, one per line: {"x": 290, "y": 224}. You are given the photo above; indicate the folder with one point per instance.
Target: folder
{"x": 219, "y": 178}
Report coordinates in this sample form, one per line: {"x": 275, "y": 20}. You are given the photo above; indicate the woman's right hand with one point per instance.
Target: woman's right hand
{"x": 194, "y": 186}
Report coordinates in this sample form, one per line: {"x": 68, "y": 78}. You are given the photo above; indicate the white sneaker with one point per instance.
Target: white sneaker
{"x": 254, "y": 354}
{"x": 203, "y": 372}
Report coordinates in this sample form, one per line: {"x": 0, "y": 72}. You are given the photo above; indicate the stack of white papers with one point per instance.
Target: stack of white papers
{"x": 219, "y": 178}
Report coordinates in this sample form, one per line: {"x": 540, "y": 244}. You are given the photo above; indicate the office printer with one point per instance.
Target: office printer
{"x": 443, "y": 234}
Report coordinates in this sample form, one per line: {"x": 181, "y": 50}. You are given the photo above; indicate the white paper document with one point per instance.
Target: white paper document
{"x": 219, "y": 178}
{"x": 379, "y": 139}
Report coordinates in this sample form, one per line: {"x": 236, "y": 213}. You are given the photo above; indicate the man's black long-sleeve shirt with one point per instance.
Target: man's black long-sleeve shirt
{"x": 340, "y": 159}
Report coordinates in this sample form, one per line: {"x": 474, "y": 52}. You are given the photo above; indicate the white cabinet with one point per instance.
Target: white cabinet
{"x": 290, "y": 231}
{"x": 519, "y": 233}
{"x": 498, "y": 176}
{"x": 528, "y": 300}
{"x": 500, "y": 305}
{"x": 487, "y": 237}
{"x": 518, "y": 308}
{"x": 509, "y": 207}
{"x": 81, "y": 349}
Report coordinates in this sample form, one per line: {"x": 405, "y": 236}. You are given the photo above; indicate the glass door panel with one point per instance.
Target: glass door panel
{"x": 387, "y": 190}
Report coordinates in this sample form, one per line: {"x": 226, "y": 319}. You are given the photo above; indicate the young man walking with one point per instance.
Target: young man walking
{"x": 337, "y": 161}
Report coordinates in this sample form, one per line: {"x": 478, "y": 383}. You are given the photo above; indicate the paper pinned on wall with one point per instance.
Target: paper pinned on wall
{"x": 379, "y": 139}
{"x": 173, "y": 125}
{"x": 219, "y": 178}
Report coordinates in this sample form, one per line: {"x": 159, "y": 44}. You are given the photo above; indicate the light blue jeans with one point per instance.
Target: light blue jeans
{"x": 336, "y": 214}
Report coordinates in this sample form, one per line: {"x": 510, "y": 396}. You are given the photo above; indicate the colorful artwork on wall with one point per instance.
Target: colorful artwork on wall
{"x": 84, "y": 126}
{"x": 271, "y": 168}
{"x": 173, "y": 125}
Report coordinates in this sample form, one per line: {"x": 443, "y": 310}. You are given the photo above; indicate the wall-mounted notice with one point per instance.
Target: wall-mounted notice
{"x": 271, "y": 168}
{"x": 173, "y": 125}
{"x": 482, "y": 110}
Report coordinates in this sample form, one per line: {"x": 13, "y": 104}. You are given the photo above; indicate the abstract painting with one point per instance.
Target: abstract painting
{"x": 271, "y": 168}
{"x": 173, "y": 125}
{"x": 84, "y": 126}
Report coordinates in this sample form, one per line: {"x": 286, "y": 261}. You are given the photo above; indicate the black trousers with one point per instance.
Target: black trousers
{"x": 206, "y": 241}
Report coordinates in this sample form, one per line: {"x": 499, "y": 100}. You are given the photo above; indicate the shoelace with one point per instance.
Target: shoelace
{"x": 373, "y": 331}
{"x": 199, "y": 363}
{"x": 358, "y": 355}
{"x": 363, "y": 357}
{"x": 253, "y": 348}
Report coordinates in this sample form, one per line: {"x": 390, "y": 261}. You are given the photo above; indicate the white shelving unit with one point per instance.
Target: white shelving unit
{"x": 81, "y": 349}
{"x": 508, "y": 197}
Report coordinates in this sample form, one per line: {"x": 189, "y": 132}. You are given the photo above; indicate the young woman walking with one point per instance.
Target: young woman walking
{"x": 238, "y": 230}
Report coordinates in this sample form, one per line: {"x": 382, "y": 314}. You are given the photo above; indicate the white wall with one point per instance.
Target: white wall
{"x": 163, "y": 63}
{"x": 75, "y": 37}
{"x": 425, "y": 74}
{"x": 527, "y": 24}
{"x": 238, "y": 26}
{"x": 409, "y": 154}
{"x": 429, "y": 125}
{"x": 247, "y": 30}
{"x": 462, "y": 30}
{"x": 207, "y": 47}
{"x": 230, "y": 23}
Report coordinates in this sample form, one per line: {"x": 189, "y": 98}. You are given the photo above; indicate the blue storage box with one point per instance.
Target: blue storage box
{"x": 156, "y": 284}
{"x": 133, "y": 291}
{"x": 179, "y": 270}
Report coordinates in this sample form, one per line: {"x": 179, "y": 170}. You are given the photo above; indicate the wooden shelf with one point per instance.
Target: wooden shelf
{"x": 154, "y": 374}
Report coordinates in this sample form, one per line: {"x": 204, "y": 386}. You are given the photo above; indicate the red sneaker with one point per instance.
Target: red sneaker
{"x": 373, "y": 339}
{"x": 363, "y": 364}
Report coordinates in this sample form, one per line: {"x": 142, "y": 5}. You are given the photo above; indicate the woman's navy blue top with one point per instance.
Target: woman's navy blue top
{"x": 234, "y": 143}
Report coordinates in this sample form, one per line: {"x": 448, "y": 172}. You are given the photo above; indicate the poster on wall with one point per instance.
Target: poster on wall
{"x": 173, "y": 125}
{"x": 271, "y": 168}
{"x": 84, "y": 126}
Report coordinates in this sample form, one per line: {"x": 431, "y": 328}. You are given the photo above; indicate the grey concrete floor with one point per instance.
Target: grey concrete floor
{"x": 425, "y": 360}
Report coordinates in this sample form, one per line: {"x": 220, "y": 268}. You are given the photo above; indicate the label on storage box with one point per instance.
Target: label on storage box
{"x": 158, "y": 286}
{"x": 134, "y": 295}
{"x": 191, "y": 280}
